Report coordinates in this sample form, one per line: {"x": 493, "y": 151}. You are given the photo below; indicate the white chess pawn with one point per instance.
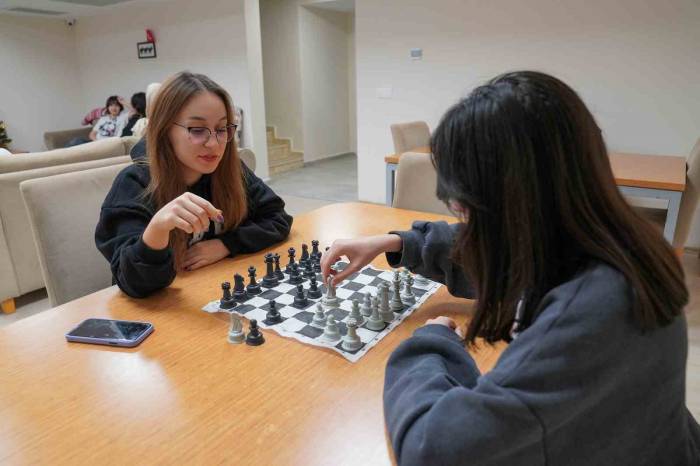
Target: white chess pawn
{"x": 235, "y": 333}
{"x": 331, "y": 334}
{"x": 319, "y": 319}
{"x": 355, "y": 313}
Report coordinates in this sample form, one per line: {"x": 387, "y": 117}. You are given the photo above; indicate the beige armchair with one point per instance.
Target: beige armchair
{"x": 59, "y": 139}
{"x": 19, "y": 264}
{"x": 63, "y": 211}
{"x": 248, "y": 158}
{"x": 410, "y": 136}
{"x": 416, "y": 184}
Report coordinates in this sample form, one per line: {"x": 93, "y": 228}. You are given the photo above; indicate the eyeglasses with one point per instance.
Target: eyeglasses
{"x": 201, "y": 134}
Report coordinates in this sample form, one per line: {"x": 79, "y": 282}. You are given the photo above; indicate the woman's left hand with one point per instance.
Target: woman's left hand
{"x": 204, "y": 253}
{"x": 447, "y": 322}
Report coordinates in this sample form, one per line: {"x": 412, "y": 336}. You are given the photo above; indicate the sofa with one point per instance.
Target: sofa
{"x": 59, "y": 139}
{"x": 19, "y": 263}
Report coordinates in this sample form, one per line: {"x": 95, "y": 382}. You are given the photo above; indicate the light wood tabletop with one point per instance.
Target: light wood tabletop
{"x": 636, "y": 170}
{"x": 186, "y": 395}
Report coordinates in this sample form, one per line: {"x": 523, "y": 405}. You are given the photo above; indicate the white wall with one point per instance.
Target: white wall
{"x": 279, "y": 25}
{"x": 38, "y": 79}
{"x": 207, "y": 36}
{"x": 352, "y": 85}
{"x": 323, "y": 51}
{"x": 636, "y": 64}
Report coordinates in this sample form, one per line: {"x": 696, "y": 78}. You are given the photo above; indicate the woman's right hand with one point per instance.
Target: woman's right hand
{"x": 359, "y": 251}
{"x": 188, "y": 212}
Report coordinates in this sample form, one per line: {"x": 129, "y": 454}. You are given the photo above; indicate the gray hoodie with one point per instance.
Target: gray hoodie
{"x": 582, "y": 385}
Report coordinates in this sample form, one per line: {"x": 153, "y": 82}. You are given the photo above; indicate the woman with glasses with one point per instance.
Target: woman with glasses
{"x": 587, "y": 293}
{"x": 192, "y": 202}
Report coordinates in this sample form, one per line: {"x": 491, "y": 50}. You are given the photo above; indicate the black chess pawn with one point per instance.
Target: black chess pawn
{"x": 278, "y": 271}
{"x": 295, "y": 276}
{"x": 270, "y": 280}
{"x": 273, "y": 316}
{"x": 314, "y": 291}
{"x": 227, "y": 301}
{"x": 239, "y": 293}
{"x": 304, "y": 255}
{"x": 309, "y": 270}
{"x": 253, "y": 287}
{"x": 255, "y": 336}
{"x": 300, "y": 297}
{"x": 291, "y": 252}
{"x": 315, "y": 253}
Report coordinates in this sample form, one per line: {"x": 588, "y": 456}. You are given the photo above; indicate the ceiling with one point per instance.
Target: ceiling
{"x": 65, "y": 8}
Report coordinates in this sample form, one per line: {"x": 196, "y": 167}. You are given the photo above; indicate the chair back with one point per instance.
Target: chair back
{"x": 416, "y": 184}
{"x": 63, "y": 212}
{"x": 410, "y": 136}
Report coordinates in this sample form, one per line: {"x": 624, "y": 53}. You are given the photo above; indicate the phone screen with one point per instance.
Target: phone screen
{"x": 110, "y": 329}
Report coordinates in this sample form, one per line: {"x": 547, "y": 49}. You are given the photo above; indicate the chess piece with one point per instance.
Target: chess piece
{"x": 317, "y": 267}
{"x": 309, "y": 270}
{"x": 291, "y": 252}
{"x": 304, "y": 255}
{"x": 420, "y": 280}
{"x": 255, "y": 336}
{"x": 273, "y": 316}
{"x": 235, "y": 333}
{"x": 295, "y": 276}
{"x": 330, "y": 331}
{"x": 239, "y": 293}
{"x": 396, "y": 304}
{"x": 351, "y": 342}
{"x": 278, "y": 271}
{"x": 226, "y": 301}
{"x": 407, "y": 295}
{"x": 253, "y": 287}
{"x": 315, "y": 253}
{"x": 366, "y": 308}
{"x": 314, "y": 291}
{"x": 330, "y": 300}
{"x": 355, "y": 313}
{"x": 385, "y": 311}
{"x": 270, "y": 279}
{"x": 319, "y": 319}
{"x": 375, "y": 321}
{"x": 300, "y": 297}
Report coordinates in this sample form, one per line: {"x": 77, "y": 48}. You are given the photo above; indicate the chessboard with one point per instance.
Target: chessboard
{"x": 297, "y": 320}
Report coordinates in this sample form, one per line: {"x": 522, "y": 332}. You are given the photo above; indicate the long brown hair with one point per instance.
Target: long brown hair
{"x": 525, "y": 156}
{"x": 167, "y": 183}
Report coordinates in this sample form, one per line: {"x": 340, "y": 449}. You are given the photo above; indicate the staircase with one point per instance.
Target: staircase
{"x": 280, "y": 156}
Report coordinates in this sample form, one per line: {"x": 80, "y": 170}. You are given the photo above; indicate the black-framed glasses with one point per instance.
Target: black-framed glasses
{"x": 201, "y": 134}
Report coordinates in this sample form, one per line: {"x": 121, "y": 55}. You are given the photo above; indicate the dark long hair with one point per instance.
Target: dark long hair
{"x": 527, "y": 160}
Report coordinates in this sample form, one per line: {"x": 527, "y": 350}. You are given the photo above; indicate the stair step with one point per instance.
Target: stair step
{"x": 276, "y": 170}
{"x": 286, "y": 158}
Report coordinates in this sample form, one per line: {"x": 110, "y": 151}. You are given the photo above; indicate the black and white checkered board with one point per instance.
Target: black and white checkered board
{"x": 297, "y": 321}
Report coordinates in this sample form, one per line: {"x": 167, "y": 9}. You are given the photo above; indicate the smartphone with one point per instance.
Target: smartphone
{"x": 110, "y": 332}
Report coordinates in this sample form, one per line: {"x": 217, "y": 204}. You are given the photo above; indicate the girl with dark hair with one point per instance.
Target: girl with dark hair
{"x": 113, "y": 121}
{"x": 192, "y": 202}
{"x": 588, "y": 294}
{"x": 138, "y": 111}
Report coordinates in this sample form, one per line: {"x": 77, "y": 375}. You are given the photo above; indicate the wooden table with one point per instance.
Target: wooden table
{"x": 637, "y": 175}
{"x": 186, "y": 395}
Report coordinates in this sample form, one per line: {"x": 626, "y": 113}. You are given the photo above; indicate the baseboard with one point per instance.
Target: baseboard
{"x": 330, "y": 157}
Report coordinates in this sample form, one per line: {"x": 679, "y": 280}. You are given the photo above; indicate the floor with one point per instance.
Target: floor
{"x": 335, "y": 180}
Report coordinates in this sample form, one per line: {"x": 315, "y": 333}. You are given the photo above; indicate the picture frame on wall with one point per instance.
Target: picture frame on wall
{"x": 146, "y": 50}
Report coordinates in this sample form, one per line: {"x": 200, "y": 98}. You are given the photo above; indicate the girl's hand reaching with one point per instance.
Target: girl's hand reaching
{"x": 359, "y": 251}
